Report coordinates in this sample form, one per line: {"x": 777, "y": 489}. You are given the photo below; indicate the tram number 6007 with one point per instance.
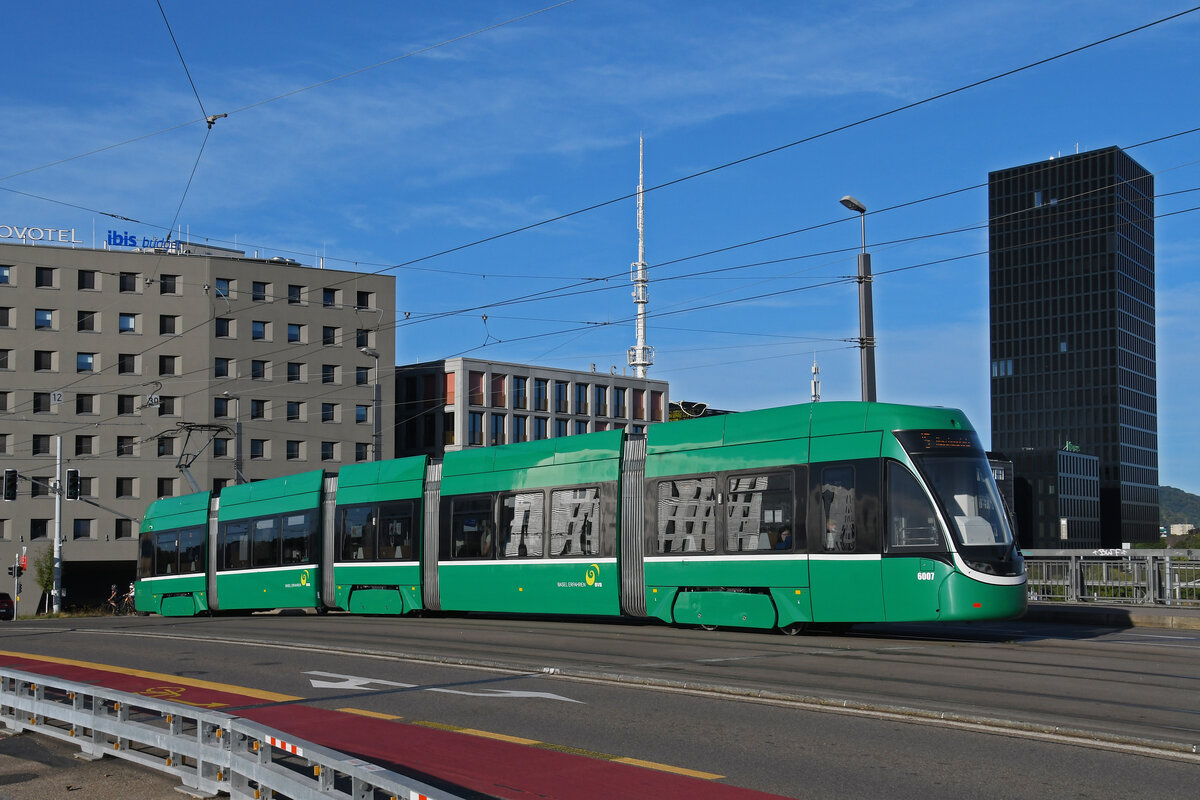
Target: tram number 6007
{"x": 925, "y": 576}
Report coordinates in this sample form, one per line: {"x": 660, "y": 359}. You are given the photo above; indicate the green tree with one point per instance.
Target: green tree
{"x": 43, "y": 571}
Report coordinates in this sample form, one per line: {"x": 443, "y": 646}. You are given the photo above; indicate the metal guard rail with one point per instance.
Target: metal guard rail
{"x": 208, "y": 751}
{"x": 1121, "y": 577}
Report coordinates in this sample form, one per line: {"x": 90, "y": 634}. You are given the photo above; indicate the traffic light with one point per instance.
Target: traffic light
{"x": 16, "y": 571}
{"x": 73, "y": 484}
{"x": 10, "y": 484}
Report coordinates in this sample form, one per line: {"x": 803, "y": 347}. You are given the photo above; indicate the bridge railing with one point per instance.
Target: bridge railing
{"x": 207, "y": 751}
{"x": 1119, "y": 577}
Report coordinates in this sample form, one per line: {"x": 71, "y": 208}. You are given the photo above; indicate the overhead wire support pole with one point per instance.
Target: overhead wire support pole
{"x": 866, "y": 312}
{"x": 56, "y": 590}
{"x": 641, "y": 356}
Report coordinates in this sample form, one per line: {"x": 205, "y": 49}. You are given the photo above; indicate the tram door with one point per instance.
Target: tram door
{"x": 843, "y": 542}
{"x": 915, "y": 561}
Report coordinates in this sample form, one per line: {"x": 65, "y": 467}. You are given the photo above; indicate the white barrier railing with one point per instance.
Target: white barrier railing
{"x": 209, "y": 752}
{"x": 1121, "y": 577}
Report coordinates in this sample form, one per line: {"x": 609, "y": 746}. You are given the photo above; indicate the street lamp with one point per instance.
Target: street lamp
{"x": 238, "y": 477}
{"x": 371, "y": 352}
{"x": 866, "y": 322}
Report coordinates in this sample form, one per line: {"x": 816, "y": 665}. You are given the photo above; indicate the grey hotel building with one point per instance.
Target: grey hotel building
{"x": 113, "y": 350}
{"x": 1073, "y": 379}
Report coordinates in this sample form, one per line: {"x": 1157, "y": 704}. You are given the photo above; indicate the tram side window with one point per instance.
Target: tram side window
{"x": 299, "y": 537}
{"x": 758, "y": 513}
{"x": 146, "y": 554}
{"x": 235, "y": 545}
{"x": 912, "y": 522}
{"x": 166, "y": 553}
{"x": 575, "y": 522}
{"x": 687, "y": 519}
{"x": 396, "y": 530}
{"x": 356, "y": 533}
{"x": 266, "y": 542}
{"x": 522, "y": 518}
{"x": 191, "y": 550}
{"x": 472, "y": 530}
{"x": 838, "y": 515}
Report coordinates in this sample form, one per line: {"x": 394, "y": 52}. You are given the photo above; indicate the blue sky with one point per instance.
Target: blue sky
{"x": 541, "y": 117}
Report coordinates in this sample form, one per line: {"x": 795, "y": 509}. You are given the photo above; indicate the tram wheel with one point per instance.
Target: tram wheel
{"x": 708, "y": 627}
{"x": 794, "y": 629}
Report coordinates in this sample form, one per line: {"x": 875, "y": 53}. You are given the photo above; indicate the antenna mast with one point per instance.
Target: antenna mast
{"x": 816, "y": 380}
{"x": 641, "y": 355}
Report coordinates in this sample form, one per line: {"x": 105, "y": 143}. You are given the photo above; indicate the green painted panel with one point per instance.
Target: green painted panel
{"x": 744, "y": 456}
{"x": 829, "y": 418}
{"x": 793, "y": 604}
{"x": 965, "y": 598}
{"x": 404, "y": 578}
{"x": 177, "y": 512}
{"x": 912, "y": 587}
{"x": 376, "y": 601}
{"x": 274, "y": 496}
{"x": 154, "y": 595}
{"x": 294, "y": 587}
{"x": 660, "y": 600}
{"x": 890, "y": 417}
{"x": 732, "y": 609}
{"x": 474, "y": 460}
{"x": 750, "y": 572}
{"x": 846, "y": 589}
{"x": 552, "y": 587}
{"x": 691, "y": 434}
{"x": 845, "y": 446}
{"x": 538, "y": 453}
{"x": 398, "y": 479}
{"x": 789, "y": 422}
{"x": 187, "y": 605}
{"x": 588, "y": 447}
{"x": 604, "y": 471}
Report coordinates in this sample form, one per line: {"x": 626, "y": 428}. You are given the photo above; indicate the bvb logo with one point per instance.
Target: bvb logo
{"x": 592, "y": 573}
{"x": 304, "y": 578}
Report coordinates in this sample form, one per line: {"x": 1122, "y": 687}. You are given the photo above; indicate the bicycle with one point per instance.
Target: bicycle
{"x": 124, "y": 608}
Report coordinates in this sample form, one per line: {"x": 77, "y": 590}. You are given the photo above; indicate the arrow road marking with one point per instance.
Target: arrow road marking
{"x": 332, "y": 680}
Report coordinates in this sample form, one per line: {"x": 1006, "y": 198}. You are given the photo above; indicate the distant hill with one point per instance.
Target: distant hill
{"x": 1176, "y": 506}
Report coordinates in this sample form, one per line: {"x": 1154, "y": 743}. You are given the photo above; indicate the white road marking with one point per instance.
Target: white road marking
{"x": 344, "y": 682}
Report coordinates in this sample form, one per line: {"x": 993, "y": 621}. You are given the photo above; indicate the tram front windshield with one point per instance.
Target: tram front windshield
{"x": 960, "y": 477}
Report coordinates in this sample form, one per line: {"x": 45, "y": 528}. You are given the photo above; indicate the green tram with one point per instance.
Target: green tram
{"x": 830, "y": 513}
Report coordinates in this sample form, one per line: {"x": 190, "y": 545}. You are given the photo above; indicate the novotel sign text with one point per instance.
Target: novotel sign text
{"x": 29, "y": 234}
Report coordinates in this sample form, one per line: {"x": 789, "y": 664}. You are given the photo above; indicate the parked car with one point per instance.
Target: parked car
{"x": 6, "y": 606}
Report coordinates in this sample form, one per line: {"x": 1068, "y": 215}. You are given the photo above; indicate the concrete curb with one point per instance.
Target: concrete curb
{"x": 1115, "y": 616}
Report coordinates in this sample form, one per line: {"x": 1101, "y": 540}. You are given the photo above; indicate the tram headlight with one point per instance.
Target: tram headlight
{"x": 983, "y": 566}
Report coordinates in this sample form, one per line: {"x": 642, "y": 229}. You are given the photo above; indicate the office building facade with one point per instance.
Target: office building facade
{"x": 1072, "y": 326}
{"x": 116, "y": 352}
{"x": 462, "y": 402}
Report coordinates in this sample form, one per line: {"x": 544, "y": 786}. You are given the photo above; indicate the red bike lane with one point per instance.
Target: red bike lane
{"x": 485, "y": 766}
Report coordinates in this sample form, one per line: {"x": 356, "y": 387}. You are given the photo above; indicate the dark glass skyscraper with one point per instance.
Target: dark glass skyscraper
{"x": 1072, "y": 325}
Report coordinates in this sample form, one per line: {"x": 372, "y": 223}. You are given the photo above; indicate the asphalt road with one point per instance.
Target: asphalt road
{"x": 809, "y": 716}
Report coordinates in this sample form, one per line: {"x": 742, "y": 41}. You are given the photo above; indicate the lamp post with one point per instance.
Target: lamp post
{"x": 377, "y": 443}
{"x": 238, "y": 477}
{"x": 866, "y": 321}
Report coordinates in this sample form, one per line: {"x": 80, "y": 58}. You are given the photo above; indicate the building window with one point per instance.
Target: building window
{"x": 221, "y": 407}
{"x": 498, "y": 425}
{"x": 560, "y": 397}
{"x": 258, "y": 449}
{"x": 294, "y": 294}
{"x": 41, "y": 444}
{"x": 639, "y": 404}
{"x": 167, "y": 324}
{"x": 168, "y": 365}
{"x": 41, "y": 402}
{"x": 329, "y": 451}
{"x": 328, "y": 373}
{"x": 168, "y": 284}
{"x": 294, "y": 373}
{"x": 475, "y": 388}
{"x": 85, "y": 321}
{"x": 499, "y": 396}
{"x": 43, "y": 360}
{"x": 581, "y": 398}
{"x": 85, "y": 404}
{"x": 221, "y": 367}
{"x": 519, "y": 384}
{"x": 4, "y": 401}
{"x": 125, "y": 446}
{"x": 539, "y": 427}
{"x": 475, "y": 428}
{"x": 329, "y": 297}
{"x": 294, "y": 447}
{"x": 580, "y": 426}
{"x": 295, "y": 410}
{"x": 618, "y": 401}
{"x": 364, "y": 300}
{"x": 43, "y": 277}
{"x": 85, "y": 445}
{"x": 361, "y": 414}
{"x": 520, "y": 428}
{"x": 166, "y": 487}
{"x": 258, "y": 369}
{"x": 259, "y": 329}
{"x": 124, "y": 529}
{"x": 166, "y": 406}
{"x": 6, "y": 319}
{"x": 222, "y": 327}
{"x": 39, "y": 529}
{"x": 258, "y": 291}
{"x": 600, "y": 400}
{"x": 656, "y": 406}
{"x": 43, "y": 318}
{"x": 360, "y": 451}
{"x": 362, "y": 376}
{"x": 127, "y": 323}
{"x": 127, "y": 364}
{"x": 126, "y": 487}
{"x": 82, "y": 529}
{"x": 166, "y": 445}
{"x": 362, "y": 338}
{"x": 258, "y": 409}
{"x": 126, "y": 404}
{"x": 224, "y": 287}
{"x": 85, "y": 362}
{"x": 220, "y": 448}
{"x": 5, "y": 273}
{"x": 329, "y": 335}
{"x": 328, "y": 412}
{"x": 86, "y": 279}
{"x": 295, "y": 332}
{"x": 128, "y": 282}
{"x": 5, "y": 359}
{"x": 560, "y": 427}
{"x": 39, "y": 486}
